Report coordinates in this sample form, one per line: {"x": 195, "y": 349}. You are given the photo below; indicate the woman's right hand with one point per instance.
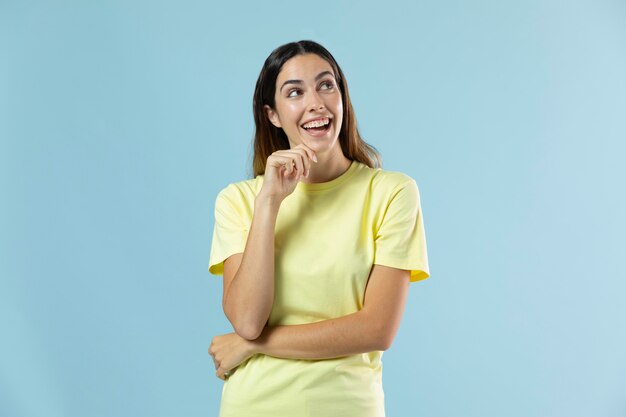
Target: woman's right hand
{"x": 284, "y": 169}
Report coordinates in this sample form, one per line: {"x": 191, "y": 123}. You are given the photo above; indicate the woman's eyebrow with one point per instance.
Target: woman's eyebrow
{"x": 320, "y": 75}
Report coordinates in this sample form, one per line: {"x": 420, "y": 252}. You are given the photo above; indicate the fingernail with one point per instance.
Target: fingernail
{"x": 307, "y": 173}
{"x": 315, "y": 157}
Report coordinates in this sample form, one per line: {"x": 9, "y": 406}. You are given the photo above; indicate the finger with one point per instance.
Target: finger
{"x": 291, "y": 163}
{"x": 221, "y": 373}
{"x": 306, "y": 161}
{"x": 282, "y": 159}
{"x": 310, "y": 152}
{"x": 298, "y": 160}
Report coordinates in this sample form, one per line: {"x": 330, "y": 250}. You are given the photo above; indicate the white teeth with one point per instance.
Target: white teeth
{"x": 317, "y": 123}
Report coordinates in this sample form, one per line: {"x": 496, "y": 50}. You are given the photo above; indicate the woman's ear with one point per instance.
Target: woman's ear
{"x": 272, "y": 116}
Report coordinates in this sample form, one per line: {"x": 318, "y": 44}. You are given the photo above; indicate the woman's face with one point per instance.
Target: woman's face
{"x": 306, "y": 90}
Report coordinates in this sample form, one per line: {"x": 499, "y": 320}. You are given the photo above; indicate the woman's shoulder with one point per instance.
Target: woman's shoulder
{"x": 385, "y": 186}
{"x": 389, "y": 180}
{"x": 242, "y": 190}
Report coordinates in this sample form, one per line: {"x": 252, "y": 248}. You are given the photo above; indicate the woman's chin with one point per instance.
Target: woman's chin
{"x": 318, "y": 144}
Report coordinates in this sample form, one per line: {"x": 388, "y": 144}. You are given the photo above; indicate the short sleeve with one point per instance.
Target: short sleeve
{"x": 401, "y": 241}
{"x": 230, "y": 232}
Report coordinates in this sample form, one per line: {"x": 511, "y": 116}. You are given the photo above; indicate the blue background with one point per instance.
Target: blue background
{"x": 121, "y": 120}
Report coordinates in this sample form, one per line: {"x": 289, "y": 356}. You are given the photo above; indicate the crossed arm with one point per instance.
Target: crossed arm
{"x": 371, "y": 328}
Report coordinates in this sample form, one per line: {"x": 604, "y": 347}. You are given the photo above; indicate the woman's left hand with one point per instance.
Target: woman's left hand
{"x": 228, "y": 351}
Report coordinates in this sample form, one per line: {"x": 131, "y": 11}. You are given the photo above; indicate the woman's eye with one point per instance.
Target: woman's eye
{"x": 327, "y": 83}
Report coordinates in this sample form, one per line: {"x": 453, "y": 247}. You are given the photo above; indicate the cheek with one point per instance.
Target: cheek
{"x": 339, "y": 113}
{"x": 293, "y": 113}
{"x": 337, "y": 103}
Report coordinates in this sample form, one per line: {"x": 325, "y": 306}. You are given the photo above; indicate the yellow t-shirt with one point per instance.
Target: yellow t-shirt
{"x": 327, "y": 237}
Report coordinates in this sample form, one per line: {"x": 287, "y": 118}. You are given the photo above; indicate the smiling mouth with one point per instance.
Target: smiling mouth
{"x": 317, "y": 130}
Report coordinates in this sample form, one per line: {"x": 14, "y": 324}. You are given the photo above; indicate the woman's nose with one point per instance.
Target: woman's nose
{"x": 315, "y": 101}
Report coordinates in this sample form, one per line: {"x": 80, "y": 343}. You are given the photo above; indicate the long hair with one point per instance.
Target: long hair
{"x": 269, "y": 138}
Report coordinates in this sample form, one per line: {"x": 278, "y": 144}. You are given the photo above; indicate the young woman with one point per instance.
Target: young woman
{"x": 317, "y": 251}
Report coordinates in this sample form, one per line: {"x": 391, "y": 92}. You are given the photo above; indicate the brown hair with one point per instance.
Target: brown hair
{"x": 268, "y": 138}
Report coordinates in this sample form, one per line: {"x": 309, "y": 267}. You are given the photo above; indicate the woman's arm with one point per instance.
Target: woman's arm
{"x": 333, "y": 338}
{"x": 343, "y": 336}
{"x": 249, "y": 290}
{"x": 371, "y": 328}
{"x": 249, "y": 279}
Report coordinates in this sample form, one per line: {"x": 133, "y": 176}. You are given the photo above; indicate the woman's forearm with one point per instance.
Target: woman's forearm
{"x": 248, "y": 301}
{"x": 348, "y": 335}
